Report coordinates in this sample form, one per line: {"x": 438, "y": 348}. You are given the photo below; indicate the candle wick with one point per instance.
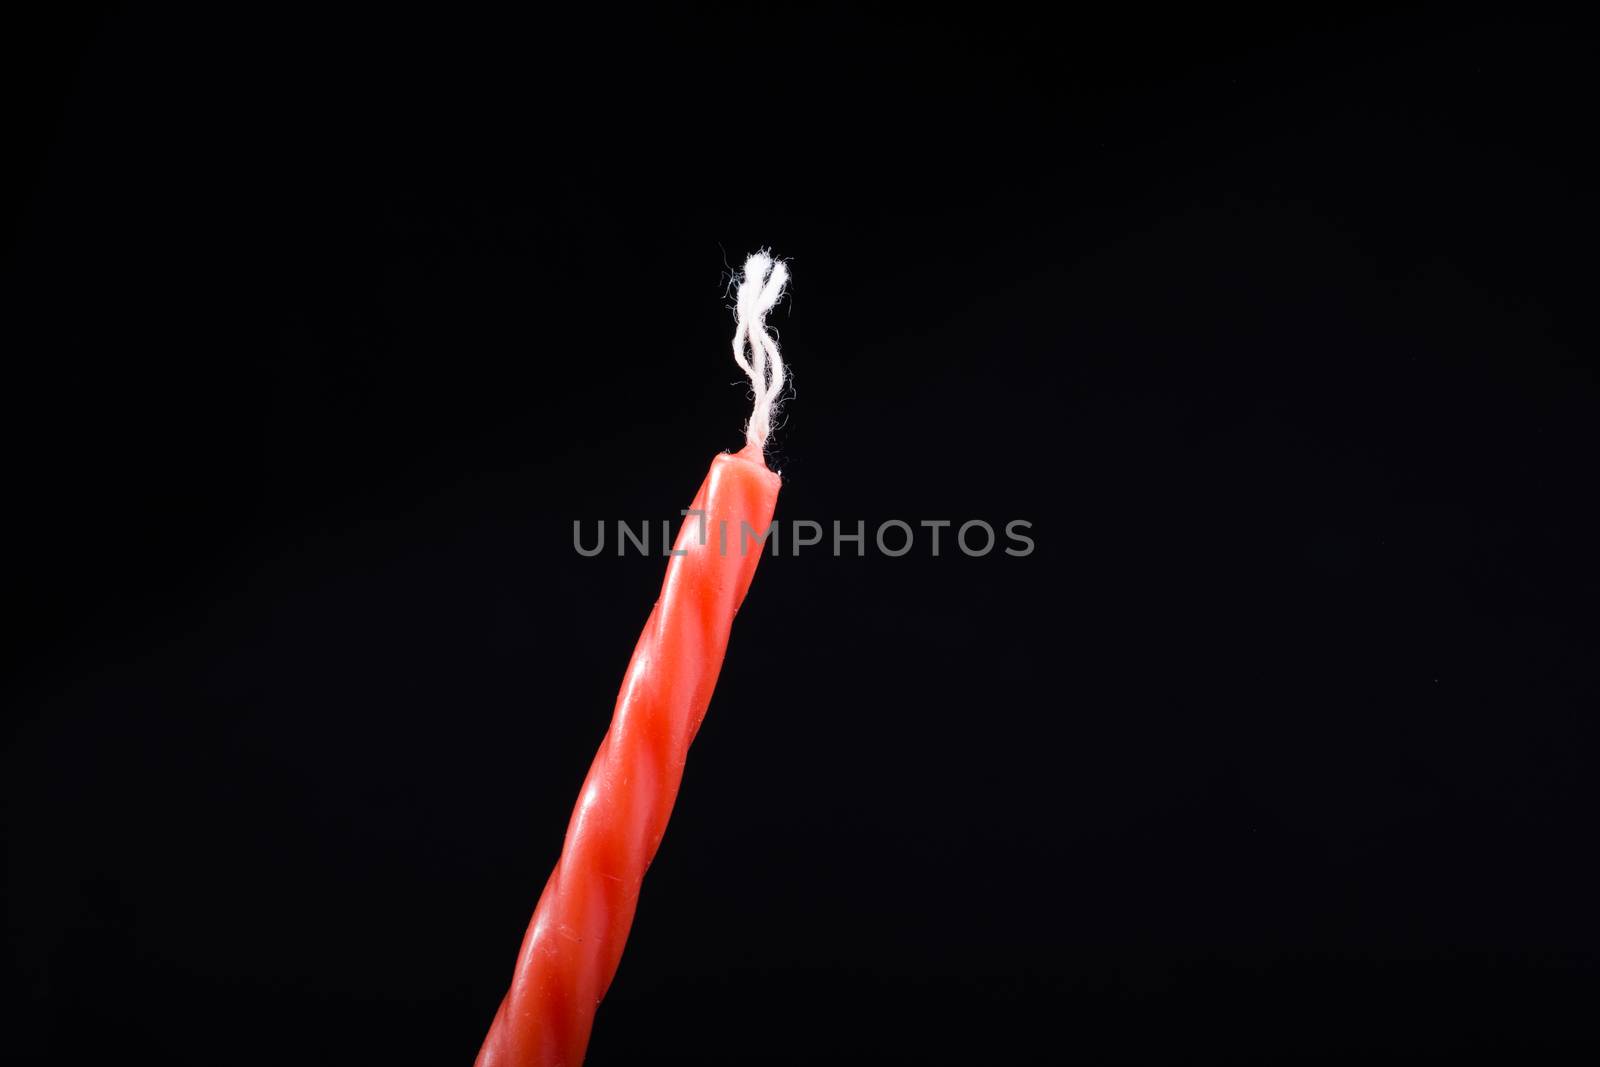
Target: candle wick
{"x": 754, "y": 348}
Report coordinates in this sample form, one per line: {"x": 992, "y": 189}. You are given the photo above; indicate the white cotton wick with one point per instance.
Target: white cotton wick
{"x": 760, "y": 287}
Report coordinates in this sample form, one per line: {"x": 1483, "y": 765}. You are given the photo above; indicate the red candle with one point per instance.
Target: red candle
{"x": 574, "y": 943}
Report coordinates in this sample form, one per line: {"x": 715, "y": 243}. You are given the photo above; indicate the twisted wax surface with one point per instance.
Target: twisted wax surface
{"x": 574, "y": 942}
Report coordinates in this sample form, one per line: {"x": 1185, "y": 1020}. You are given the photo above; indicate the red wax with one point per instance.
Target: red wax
{"x": 574, "y": 943}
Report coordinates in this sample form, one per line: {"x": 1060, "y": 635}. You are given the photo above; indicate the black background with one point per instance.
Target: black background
{"x": 319, "y": 332}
